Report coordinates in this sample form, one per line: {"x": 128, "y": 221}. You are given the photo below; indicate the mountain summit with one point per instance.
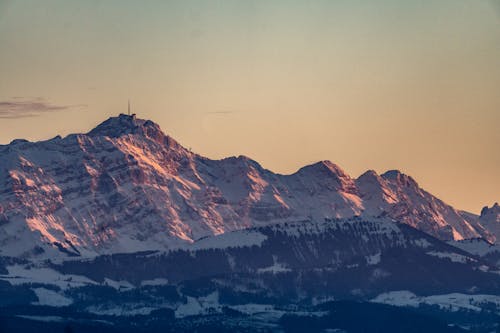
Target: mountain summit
{"x": 124, "y": 124}
{"x": 126, "y": 186}
{"x": 490, "y": 219}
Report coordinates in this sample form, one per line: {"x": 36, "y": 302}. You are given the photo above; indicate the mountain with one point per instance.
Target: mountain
{"x": 490, "y": 219}
{"x": 125, "y": 186}
{"x": 122, "y": 229}
{"x": 487, "y": 223}
{"x": 254, "y": 279}
{"x": 397, "y": 195}
{"x": 344, "y": 253}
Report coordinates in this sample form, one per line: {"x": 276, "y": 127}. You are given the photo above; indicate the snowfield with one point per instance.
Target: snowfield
{"x": 452, "y": 302}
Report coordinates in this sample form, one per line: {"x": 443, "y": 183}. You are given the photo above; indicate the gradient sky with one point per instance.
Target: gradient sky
{"x": 389, "y": 84}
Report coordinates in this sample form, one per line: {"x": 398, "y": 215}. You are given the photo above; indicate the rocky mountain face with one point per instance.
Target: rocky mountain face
{"x": 125, "y": 186}
{"x": 490, "y": 220}
{"x": 123, "y": 230}
{"x": 487, "y": 223}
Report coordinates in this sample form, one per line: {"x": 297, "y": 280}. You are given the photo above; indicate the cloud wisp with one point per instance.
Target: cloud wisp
{"x": 26, "y": 107}
{"x": 221, "y": 112}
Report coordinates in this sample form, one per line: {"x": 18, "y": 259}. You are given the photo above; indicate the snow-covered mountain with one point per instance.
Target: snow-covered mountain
{"x": 487, "y": 223}
{"x": 490, "y": 219}
{"x": 123, "y": 229}
{"x": 125, "y": 186}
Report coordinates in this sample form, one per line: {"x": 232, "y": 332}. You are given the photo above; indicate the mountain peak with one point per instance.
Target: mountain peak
{"x": 324, "y": 167}
{"x": 494, "y": 210}
{"x": 115, "y": 127}
{"x": 372, "y": 180}
{"x": 392, "y": 174}
{"x": 125, "y": 124}
{"x": 369, "y": 174}
{"x": 325, "y": 172}
{"x": 400, "y": 178}
{"x": 375, "y": 191}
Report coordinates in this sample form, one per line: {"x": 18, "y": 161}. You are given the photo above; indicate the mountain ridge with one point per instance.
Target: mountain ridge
{"x": 127, "y": 185}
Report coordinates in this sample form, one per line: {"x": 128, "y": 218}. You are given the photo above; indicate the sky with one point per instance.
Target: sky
{"x": 388, "y": 84}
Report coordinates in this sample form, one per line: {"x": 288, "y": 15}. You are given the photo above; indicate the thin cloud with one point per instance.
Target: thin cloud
{"x": 220, "y": 112}
{"x": 26, "y": 107}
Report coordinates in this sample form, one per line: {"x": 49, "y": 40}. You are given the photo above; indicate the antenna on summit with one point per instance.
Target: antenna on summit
{"x": 129, "y": 107}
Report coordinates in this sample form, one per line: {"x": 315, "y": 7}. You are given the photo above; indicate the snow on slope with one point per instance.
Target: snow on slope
{"x": 476, "y": 246}
{"x": 399, "y": 196}
{"x": 453, "y": 302}
{"x": 126, "y": 186}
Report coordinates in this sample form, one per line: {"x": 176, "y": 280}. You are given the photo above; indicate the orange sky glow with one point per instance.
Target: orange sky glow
{"x": 368, "y": 85}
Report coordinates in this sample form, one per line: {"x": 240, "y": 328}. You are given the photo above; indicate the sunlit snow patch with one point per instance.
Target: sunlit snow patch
{"x": 50, "y": 297}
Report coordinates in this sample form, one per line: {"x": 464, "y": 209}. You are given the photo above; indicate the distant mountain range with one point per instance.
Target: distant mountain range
{"x": 124, "y": 230}
{"x": 125, "y": 186}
